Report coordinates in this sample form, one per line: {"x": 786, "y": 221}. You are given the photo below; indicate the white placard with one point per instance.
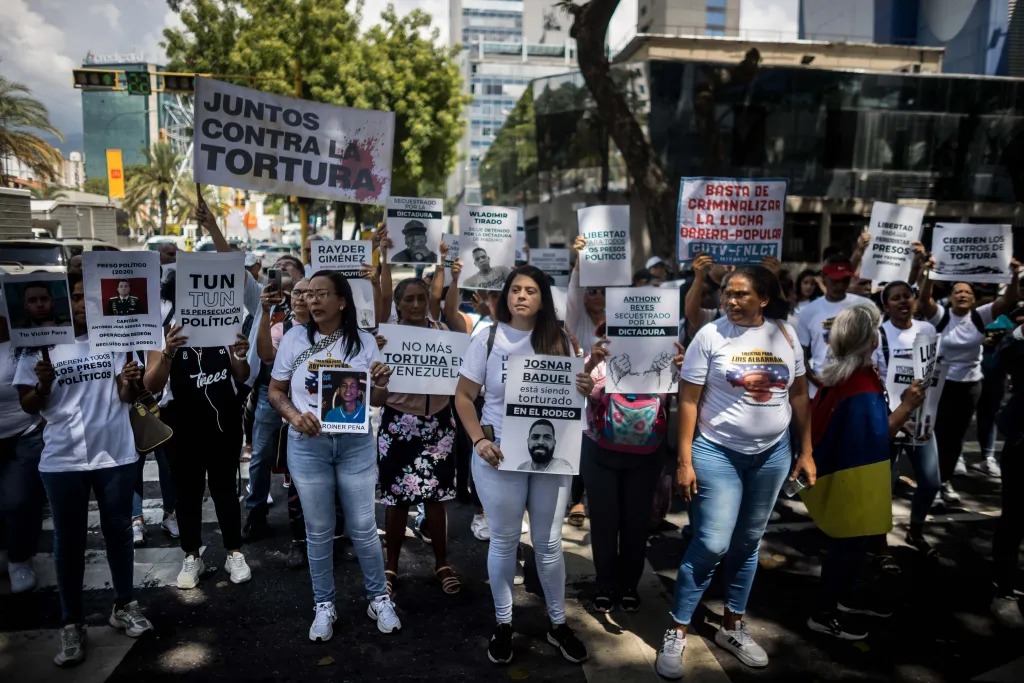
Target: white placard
{"x": 893, "y": 229}
{"x": 454, "y": 243}
{"x": 209, "y": 297}
{"x": 972, "y": 253}
{"x": 488, "y": 244}
{"x": 347, "y": 257}
{"x": 554, "y": 262}
{"x": 423, "y": 360}
{"x": 521, "y": 252}
{"x": 925, "y": 419}
{"x": 256, "y": 140}
{"x": 925, "y": 357}
{"x": 542, "y": 430}
{"x": 606, "y": 260}
{"x": 38, "y": 309}
{"x": 642, "y": 330}
{"x": 122, "y": 300}
{"x": 415, "y": 226}
{"x": 560, "y": 297}
{"x": 736, "y": 221}
{"x": 344, "y": 401}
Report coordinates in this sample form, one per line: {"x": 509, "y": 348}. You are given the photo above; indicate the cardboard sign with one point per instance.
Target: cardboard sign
{"x": 735, "y": 221}
{"x": 344, "y": 401}
{"x": 415, "y": 226}
{"x": 38, "y": 309}
{"x": 893, "y": 229}
{"x": 423, "y": 360}
{"x": 256, "y": 140}
{"x": 347, "y": 256}
{"x": 209, "y": 297}
{"x": 642, "y": 329}
{"x": 972, "y": 253}
{"x": 488, "y": 244}
{"x": 554, "y": 262}
{"x": 122, "y": 300}
{"x": 607, "y": 259}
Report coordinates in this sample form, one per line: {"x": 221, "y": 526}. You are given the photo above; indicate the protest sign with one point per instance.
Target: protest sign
{"x": 972, "y": 253}
{"x": 927, "y": 412}
{"x": 423, "y": 360}
{"x": 256, "y": 140}
{"x": 554, "y": 262}
{"x": 642, "y": 330}
{"x": 488, "y": 242}
{"x": 733, "y": 220}
{"x": 38, "y": 309}
{"x": 893, "y": 229}
{"x": 606, "y": 260}
{"x": 415, "y": 225}
{"x": 347, "y": 257}
{"x": 560, "y": 297}
{"x": 209, "y": 297}
{"x": 542, "y": 430}
{"x": 122, "y": 300}
{"x": 344, "y": 395}
{"x": 454, "y": 243}
{"x": 925, "y": 356}
{"x": 521, "y": 251}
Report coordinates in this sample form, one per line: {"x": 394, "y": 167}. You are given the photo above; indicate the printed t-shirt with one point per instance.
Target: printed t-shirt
{"x": 13, "y": 420}
{"x": 490, "y": 371}
{"x": 201, "y": 379}
{"x": 960, "y": 343}
{"x": 813, "y": 324}
{"x": 898, "y": 371}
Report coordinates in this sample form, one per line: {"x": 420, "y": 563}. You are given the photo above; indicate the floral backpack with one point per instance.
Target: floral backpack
{"x": 628, "y": 423}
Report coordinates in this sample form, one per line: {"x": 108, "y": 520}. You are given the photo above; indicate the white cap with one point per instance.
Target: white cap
{"x": 653, "y": 261}
{"x": 250, "y": 259}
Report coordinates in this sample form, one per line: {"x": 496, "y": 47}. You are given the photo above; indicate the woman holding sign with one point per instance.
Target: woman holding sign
{"x": 525, "y": 325}
{"x": 325, "y": 467}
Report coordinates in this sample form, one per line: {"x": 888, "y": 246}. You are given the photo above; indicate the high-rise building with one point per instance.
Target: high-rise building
{"x": 688, "y": 17}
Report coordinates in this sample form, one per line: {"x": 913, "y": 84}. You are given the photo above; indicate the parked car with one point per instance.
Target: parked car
{"x": 273, "y": 252}
{"x": 79, "y": 245}
{"x": 33, "y": 255}
{"x": 153, "y": 243}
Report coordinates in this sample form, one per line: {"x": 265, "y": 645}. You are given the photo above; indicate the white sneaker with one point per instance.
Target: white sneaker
{"x": 949, "y": 494}
{"x": 72, "y": 646}
{"x": 742, "y": 645}
{"x": 382, "y": 610}
{"x": 480, "y": 528}
{"x": 191, "y": 569}
{"x": 322, "y": 629}
{"x": 130, "y": 619}
{"x": 990, "y": 466}
{"x": 670, "y": 655}
{"x": 236, "y": 566}
{"x": 138, "y": 532}
{"x": 23, "y": 577}
{"x": 961, "y": 468}
{"x": 170, "y": 525}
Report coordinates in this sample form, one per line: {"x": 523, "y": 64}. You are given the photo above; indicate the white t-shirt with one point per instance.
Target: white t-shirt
{"x": 13, "y": 420}
{"x": 746, "y": 373}
{"x": 87, "y": 426}
{"x": 305, "y": 381}
{"x": 813, "y": 324}
{"x": 507, "y": 342}
{"x": 898, "y": 371}
{"x": 960, "y": 343}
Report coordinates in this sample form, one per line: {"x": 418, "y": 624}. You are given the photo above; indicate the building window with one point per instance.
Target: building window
{"x": 714, "y": 31}
{"x": 716, "y": 4}
{"x": 715, "y": 18}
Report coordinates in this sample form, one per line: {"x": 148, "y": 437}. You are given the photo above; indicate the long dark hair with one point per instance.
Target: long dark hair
{"x": 806, "y": 272}
{"x": 766, "y": 286}
{"x": 547, "y": 337}
{"x": 403, "y": 285}
{"x": 349, "y": 319}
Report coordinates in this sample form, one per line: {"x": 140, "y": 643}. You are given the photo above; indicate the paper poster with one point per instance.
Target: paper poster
{"x": 893, "y": 229}
{"x": 972, "y": 253}
{"x": 521, "y": 251}
{"x": 925, "y": 419}
{"x": 122, "y": 300}
{"x": 255, "y": 140}
{"x": 454, "y": 243}
{"x": 925, "y": 357}
{"x": 348, "y": 257}
{"x": 542, "y": 431}
{"x": 344, "y": 401}
{"x": 899, "y": 373}
{"x": 735, "y": 221}
{"x": 607, "y": 258}
{"x": 642, "y": 329}
{"x": 415, "y": 226}
{"x": 422, "y": 360}
{"x": 38, "y": 309}
{"x": 488, "y": 242}
{"x": 209, "y": 294}
{"x": 554, "y": 262}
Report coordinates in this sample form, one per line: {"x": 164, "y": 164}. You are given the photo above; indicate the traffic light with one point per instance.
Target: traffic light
{"x": 96, "y": 79}
{"x": 178, "y": 82}
{"x": 138, "y": 83}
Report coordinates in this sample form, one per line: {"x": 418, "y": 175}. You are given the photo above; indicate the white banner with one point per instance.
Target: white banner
{"x": 972, "y": 253}
{"x": 542, "y": 430}
{"x": 38, "y": 309}
{"x": 735, "y": 221}
{"x": 554, "y": 262}
{"x": 209, "y": 297}
{"x": 642, "y": 330}
{"x": 423, "y": 360}
{"x": 344, "y": 401}
{"x": 256, "y": 140}
{"x": 415, "y": 226}
{"x": 893, "y": 229}
{"x": 347, "y": 257}
{"x": 607, "y": 259}
{"x": 122, "y": 300}
{"x": 488, "y": 244}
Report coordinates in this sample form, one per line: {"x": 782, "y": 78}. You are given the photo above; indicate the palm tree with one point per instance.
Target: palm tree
{"x": 21, "y": 118}
{"x": 48, "y": 192}
{"x": 155, "y": 179}
{"x": 186, "y": 201}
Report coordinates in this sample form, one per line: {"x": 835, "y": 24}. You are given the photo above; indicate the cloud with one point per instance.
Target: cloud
{"x": 108, "y": 12}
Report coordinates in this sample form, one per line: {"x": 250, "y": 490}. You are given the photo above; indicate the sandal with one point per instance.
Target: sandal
{"x": 577, "y": 515}
{"x": 449, "y": 584}
{"x": 392, "y": 581}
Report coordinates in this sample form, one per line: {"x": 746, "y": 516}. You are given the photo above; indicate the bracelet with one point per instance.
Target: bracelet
{"x": 237, "y": 357}
{"x": 382, "y": 388}
{"x": 482, "y": 438}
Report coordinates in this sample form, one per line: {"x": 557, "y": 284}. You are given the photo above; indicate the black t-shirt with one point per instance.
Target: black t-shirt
{"x": 203, "y": 387}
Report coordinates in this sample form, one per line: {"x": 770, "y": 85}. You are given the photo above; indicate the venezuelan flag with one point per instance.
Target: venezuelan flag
{"x": 850, "y": 432}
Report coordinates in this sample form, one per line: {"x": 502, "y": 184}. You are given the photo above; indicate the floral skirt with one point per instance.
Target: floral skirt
{"x": 414, "y": 457}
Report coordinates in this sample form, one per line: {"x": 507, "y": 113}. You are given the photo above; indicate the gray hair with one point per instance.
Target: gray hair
{"x": 852, "y": 340}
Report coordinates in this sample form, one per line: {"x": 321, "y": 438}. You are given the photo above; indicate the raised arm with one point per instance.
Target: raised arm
{"x": 1008, "y": 301}
{"x": 691, "y": 304}
{"x": 385, "y": 286}
{"x": 863, "y": 240}
{"x": 925, "y": 301}
{"x": 437, "y": 287}
{"x": 452, "y": 314}
{"x": 207, "y": 220}
{"x": 574, "y": 300}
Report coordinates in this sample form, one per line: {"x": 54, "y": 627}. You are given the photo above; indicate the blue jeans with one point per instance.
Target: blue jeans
{"x": 69, "y": 503}
{"x": 264, "y": 449}
{"x": 924, "y": 458}
{"x": 326, "y": 468}
{"x": 167, "y": 490}
{"x": 21, "y": 495}
{"x": 735, "y": 495}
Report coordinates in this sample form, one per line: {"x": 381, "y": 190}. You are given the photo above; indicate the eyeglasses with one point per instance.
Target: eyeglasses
{"x": 318, "y": 294}
{"x": 299, "y": 293}
{"x": 595, "y": 291}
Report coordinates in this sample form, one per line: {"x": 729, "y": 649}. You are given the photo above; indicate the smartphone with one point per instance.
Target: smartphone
{"x": 274, "y": 279}
{"x": 795, "y": 486}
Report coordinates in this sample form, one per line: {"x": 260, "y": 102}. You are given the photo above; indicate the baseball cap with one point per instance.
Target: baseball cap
{"x": 837, "y": 271}
{"x": 250, "y": 259}
{"x": 653, "y": 261}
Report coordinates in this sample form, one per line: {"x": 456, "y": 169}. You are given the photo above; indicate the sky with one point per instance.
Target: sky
{"x": 43, "y": 40}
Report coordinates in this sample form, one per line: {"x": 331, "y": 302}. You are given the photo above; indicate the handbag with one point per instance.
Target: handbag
{"x": 149, "y": 430}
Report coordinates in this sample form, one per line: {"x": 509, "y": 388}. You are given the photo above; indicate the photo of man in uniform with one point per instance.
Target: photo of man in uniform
{"x": 416, "y": 249}
{"x": 487, "y": 277}
{"x": 540, "y": 442}
{"x": 124, "y": 303}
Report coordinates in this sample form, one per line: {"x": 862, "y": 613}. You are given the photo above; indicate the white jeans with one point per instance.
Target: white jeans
{"x": 505, "y": 497}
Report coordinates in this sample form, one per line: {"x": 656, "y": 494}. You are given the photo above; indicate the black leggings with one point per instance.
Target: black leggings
{"x": 956, "y": 408}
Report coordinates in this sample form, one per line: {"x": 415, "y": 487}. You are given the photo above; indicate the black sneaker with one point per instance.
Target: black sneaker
{"x": 296, "y": 555}
{"x": 499, "y": 650}
{"x": 630, "y": 601}
{"x": 866, "y": 606}
{"x": 568, "y": 644}
{"x": 834, "y": 625}
{"x": 255, "y": 528}
{"x": 603, "y": 602}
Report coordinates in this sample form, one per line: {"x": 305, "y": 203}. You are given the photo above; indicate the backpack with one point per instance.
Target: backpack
{"x": 627, "y": 423}
{"x": 975, "y": 320}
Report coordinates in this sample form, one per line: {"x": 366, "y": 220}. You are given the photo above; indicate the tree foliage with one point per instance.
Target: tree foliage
{"x": 154, "y": 180}
{"x": 48, "y": 192}
{"x": 22, "y": 119}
